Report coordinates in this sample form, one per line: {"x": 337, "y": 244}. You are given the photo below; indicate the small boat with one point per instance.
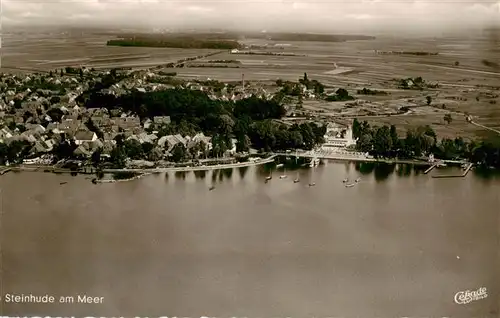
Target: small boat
{"x": 211, "y": 188}
{"x": 279, "y": 165}
{"x": 268, "y": 178}
{"x": 296, "y": 179}
{"x": 350, "y": 185}
{"x": 345, "y": 180}
{"x": 284, "y": 176}
{"x": 63, "y": 182}
{"x": 94, "y": 181}
{"x": 312, "y": 184}
{"x": 358, "y": 179}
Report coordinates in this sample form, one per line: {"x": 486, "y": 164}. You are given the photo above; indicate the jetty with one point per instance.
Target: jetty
{"x": 467, "y": 169}
{"x": 434, "y": 165}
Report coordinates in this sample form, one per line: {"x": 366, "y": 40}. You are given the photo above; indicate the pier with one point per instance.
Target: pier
{"x": 467, "y": 169}
{"x": 430, "y": 168}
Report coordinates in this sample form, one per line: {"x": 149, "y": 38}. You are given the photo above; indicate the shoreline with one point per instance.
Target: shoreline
{"x": 145, "y": 171}
{"x": 197, "y": 168}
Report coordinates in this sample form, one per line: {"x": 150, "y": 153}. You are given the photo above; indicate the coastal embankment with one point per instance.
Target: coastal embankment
{"x": 195, "y": 168}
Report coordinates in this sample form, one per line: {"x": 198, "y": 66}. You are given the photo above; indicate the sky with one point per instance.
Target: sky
{"x": 279, "y": 15}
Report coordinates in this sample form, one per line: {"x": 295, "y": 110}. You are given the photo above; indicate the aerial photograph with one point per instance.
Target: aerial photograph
{"x": 250, "y": 159}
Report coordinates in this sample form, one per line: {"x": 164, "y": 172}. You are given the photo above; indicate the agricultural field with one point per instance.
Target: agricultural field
{"x": 466, "y": 84}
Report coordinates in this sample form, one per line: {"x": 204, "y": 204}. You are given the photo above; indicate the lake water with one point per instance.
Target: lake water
{"x": 399, "y": 243}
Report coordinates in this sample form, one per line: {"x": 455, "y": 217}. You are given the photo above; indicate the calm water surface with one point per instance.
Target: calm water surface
{"x": 165, "y": 245}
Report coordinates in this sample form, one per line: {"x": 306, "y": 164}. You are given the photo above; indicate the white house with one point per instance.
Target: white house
{"x": 85, "y": 136}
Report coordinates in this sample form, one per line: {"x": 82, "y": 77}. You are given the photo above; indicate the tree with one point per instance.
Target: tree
{"x": 243, "y": 144}
{"x": 342, "y": 93}
{"x": 96, "y": 157}
{"x": 428, "y": 99}
{"x": 27, "y": 115}
{"x": 133, "y": 149}
{"x": 382, "y": 142}
{"x": 118, "y": 157}
{"x": 447, "y": 118}
{"x": 178, "y": 152}
{"x": 55, "y": 114}
{"x": 356, "y": 128}
{"x": 394, "y": 138}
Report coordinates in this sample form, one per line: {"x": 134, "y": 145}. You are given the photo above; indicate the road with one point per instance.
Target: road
{"x": 485, "y": 127}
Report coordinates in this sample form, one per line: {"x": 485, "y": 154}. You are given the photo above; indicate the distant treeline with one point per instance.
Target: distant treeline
{"x": 175, "y": 42}
{"x": 367, "y": 91}
{"x": 224, "y": 61}
{"x": 211, "y": 65}
{"x": 490, "y": 64}
{"x": 408, "y": 53}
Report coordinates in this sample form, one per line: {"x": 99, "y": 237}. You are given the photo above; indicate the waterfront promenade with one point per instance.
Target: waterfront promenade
{"x": 195, "y": 168}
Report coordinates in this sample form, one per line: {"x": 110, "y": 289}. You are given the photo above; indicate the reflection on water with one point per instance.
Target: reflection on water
{"x": 228, "y": 173}
{"x": 486, "y": 174}
{"x": 404, "y": 170}
{"x": 382, "y": 171}
{"x": 243, "y": 171}
{"x": 200, "y": 174}
{"x": 364, "y": 168}
{"x": 215, "y": 174}
{"x": 180, "y": 175}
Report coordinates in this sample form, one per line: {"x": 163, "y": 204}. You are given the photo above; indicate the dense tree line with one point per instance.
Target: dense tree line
{"x": 384, "y": 142}
{"x": 249, "y": 121}
{"x": 340, "y": 95}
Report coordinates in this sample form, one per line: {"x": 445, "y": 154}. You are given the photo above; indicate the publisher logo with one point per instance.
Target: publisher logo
{"x": 465, "y": 297}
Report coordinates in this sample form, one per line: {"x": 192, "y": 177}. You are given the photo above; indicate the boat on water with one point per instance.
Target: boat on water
{"x": 357, "y": 180}
{"x": 296, "y": 180}
{"x": 280, "y": 165}
{"x": 345, "y": 180}
{"x": 63, "y": 182}
{"x": 312, "y": 184}
{"x": 350, "y": 185}
{"x": 211, "y": 188}
{"x": 269, "y": 177}
{"x": 284, "y": 176}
